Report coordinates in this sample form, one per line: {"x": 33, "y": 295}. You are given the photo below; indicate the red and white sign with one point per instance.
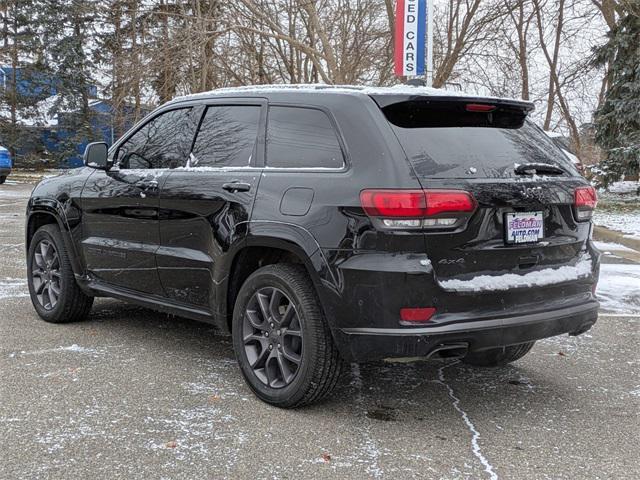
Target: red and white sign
{"x": 411, "y": 23}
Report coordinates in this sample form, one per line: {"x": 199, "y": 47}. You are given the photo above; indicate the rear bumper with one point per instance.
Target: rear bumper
{"x": 368, "y": 344}
{"x": 363, "y": 309}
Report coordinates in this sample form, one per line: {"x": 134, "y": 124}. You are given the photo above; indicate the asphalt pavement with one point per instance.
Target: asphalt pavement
{"x": 132, "y": 393}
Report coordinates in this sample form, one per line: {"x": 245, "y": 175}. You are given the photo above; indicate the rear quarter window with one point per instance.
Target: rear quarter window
{"x": 299, "y": 137}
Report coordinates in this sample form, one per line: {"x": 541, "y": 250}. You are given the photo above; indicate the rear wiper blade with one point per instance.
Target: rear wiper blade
{"x": 538, "y": 168}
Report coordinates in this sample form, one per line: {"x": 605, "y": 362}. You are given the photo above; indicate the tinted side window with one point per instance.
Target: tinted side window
{"x": 302, "y": 138}
{"x": 164, "y": 142}
{"x": 227, "y": 136}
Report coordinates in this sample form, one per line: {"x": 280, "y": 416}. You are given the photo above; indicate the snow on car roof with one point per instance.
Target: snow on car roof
{"x": 340, "y": 89}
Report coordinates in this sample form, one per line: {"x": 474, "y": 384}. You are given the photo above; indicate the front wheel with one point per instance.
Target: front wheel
{"x": 496, "y": 357}
{"x": 281, "y": 339}
{"x": 52, "y": 285}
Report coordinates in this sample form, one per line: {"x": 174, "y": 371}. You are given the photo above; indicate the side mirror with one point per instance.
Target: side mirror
{"x": 95, "y": 156}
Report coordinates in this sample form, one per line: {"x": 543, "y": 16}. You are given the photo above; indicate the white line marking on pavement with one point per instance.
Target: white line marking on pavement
{"x": 475, "y": 434}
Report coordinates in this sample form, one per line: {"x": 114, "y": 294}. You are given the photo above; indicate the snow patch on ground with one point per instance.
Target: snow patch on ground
{"x": 79, "y": 428}
{"x": 369, "y": 446}
{"x": 197, "y": 434}
{"x": 68, "y": 349}
{"x": 7, "y": 191}
{"x": 546, "y": 276}
{"x": 627, "y": 222}
{"x": 13, "y": 288}
{"x": 619, "y": 288}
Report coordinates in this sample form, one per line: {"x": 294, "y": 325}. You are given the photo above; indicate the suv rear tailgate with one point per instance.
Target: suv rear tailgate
{"x": 477, "y": 145}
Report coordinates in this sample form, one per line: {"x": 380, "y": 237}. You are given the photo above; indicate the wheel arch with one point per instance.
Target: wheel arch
{"x": 259, "y": 251}
{"x": 45, "y": 214}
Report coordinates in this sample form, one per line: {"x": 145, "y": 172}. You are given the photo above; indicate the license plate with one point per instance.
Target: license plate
{"x": 524, "y": 227}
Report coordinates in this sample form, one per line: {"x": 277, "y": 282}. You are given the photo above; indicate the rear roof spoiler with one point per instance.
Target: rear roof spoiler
{"x": 384, "y": 100}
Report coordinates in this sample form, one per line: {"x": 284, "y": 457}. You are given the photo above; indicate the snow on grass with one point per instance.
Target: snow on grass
{"x": 625, "y": 187}
{"x": 507, "y": 281}
{"x": 619, "y": 288}
{"x": 607, "y": 247}
{"x": 625, "y": 222}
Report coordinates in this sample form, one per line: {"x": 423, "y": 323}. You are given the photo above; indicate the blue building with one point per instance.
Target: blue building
{"x": 102, "y": 120}
{"x": 50, "y": 126}
{"x": 34, "y": 84}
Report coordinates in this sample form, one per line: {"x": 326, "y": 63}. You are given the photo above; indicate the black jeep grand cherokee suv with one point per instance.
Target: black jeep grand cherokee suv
{"x": 320, "y": 225}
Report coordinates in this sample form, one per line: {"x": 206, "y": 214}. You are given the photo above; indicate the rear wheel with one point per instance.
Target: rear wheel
{"x": 496, "y": 357}
{"x": 2, "y": 179}
{"x": 52, "y": 285}
{"x": 281, "y": 339}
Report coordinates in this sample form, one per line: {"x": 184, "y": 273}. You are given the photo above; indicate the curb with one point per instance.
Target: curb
{"x": 605, "y": 235}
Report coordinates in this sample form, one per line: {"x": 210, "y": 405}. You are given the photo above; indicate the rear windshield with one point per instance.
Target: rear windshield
{"x": 446, "y": 141}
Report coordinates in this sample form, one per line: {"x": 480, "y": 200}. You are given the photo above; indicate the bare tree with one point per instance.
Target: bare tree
{"x": 521, "y": 14}
{"x": 534, "y": 49}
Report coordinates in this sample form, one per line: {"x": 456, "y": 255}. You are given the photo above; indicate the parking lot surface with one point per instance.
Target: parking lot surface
{"x": 132, "y": 393}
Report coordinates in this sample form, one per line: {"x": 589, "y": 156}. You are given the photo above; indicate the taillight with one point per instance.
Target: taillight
{"x": 585, "y": 201}
{"x": 445, "y": 201}
{"x": 394, "y": 203}
{"x": 417, "y": 208}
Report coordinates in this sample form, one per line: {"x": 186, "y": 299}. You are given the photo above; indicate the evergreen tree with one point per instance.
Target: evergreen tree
{"x": 24, "y": 81}
{"x": 67, "y": 27}
{"x": 618, "y": 119}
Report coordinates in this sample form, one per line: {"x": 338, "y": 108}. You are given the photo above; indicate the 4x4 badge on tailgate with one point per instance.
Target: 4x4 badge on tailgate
{"x": 451, "y": 261}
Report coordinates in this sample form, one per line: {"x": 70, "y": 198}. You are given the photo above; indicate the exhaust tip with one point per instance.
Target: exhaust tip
{"x": 449, "y": 351}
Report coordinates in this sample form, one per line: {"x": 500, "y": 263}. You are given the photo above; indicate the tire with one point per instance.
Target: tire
{"x": 2, "y": 179}
{"x": 272, "y": 377}
{"x": 71, "y": 304}
{"x": 497, "y": 357}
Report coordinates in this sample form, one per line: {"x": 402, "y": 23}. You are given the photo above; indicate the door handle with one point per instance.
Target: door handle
{"x": 149, "y": 185}
{"x": 236, "y": 186}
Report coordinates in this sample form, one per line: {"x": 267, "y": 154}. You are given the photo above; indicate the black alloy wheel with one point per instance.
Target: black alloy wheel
{"x": 281, "y": 337}
{"x": 45, "y": 274}
{"x": 55, "y": 295}
{"x": 272, "y": 336}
